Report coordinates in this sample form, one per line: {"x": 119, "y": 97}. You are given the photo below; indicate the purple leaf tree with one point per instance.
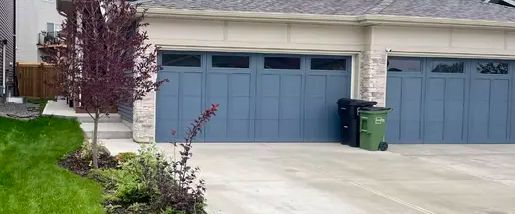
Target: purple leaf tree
{"x": 106, "y": 59}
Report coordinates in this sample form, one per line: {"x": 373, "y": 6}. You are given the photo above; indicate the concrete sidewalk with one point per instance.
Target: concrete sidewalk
{"x": 330, "y": 178}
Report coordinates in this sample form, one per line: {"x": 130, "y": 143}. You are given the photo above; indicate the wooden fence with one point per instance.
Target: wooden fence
{"x": 36, "y": 80}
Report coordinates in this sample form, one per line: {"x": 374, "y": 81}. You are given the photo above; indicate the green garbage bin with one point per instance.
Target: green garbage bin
{"x": 373, "y": 128}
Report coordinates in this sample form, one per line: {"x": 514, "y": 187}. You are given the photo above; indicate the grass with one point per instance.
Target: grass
{"x": 30, "y": 179}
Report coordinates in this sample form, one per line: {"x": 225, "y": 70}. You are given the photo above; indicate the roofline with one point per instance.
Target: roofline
{"x": 362, "y": 20}
{"x": 247, "y": 16}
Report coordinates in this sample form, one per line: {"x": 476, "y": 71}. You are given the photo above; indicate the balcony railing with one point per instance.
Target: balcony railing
{"x": 48, "y": 38}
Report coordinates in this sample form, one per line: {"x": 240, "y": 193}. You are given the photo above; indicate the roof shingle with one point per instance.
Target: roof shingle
{"x": 456, "y": 9}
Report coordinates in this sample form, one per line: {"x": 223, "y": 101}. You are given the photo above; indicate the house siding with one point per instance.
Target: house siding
{"x": 7, "y": 32}
{"x": 126, "y": 110}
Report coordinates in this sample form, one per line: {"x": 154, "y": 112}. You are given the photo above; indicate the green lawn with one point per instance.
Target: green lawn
{"x": 30, "y": 179}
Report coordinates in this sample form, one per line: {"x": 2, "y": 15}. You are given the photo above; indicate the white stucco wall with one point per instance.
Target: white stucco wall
{"x": 32, "y": 17}
{"x": 254, "y": 36}
{"x": 367, "y": 44}
{"x": 453, "y": 41}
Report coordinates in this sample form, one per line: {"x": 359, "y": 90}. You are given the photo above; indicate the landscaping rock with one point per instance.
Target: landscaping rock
{"x": 19, "y": 111}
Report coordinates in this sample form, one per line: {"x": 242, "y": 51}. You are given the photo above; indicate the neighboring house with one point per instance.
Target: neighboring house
{"x": 37, "y": 24}
{"x": 278, "y": 67}
{"x": 7, "y": 38}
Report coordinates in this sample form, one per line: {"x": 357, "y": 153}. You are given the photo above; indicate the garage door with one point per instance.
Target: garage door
{"x": 287, "y": 98}
{"x": 450, "y": 100}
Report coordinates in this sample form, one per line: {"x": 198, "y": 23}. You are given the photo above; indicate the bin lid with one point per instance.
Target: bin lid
{"x": 375, "y": 109}
{"x": 354, "y": 102}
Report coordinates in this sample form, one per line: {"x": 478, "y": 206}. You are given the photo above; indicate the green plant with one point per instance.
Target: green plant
{"x": 136, "y": 183}
{"x": 108, "y": 178}
{"x": 148, "y": 183}
{"x": 125, "y": 157}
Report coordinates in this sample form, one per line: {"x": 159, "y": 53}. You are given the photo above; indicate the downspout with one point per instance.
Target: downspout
{"x": 4, "y": 43}
{"x": 15, "y": 91}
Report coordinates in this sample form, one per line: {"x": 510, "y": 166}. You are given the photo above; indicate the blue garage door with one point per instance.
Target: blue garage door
{"x": 449, "y": 100}
{"x": 287, "y": 98}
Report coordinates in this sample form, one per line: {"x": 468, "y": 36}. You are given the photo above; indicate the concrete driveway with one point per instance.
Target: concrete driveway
{"x": 331, "y": 179}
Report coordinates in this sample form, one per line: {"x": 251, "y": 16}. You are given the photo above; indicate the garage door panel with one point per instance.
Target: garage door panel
{"x": 316, "y": 121}
{"x": 239, "y": 108}
{"x": 216, "y": 129}
{"x": 291, "y": 86}
{"x": 479, "y": 111}
{"x": 290, "y": 108}
{"x": 268, "y": 108}
{"x": 411, "y": 114}
{"x": 164, "y": 134}
{"x": 170, "y": 88}
{"x": 240, "y": 130}
{"x": 454, "y": 111}
{"x": 290, "y": 129}
{"x": 498, "y": 124}
{"x": 444, "y": 110}
{"x": 394, "y": 95}
{"x": 315, "y": 97}
{"x": 231, "y": 90}
{"x": 270, "y": 85}
{"x": 435, "y": 110}
{"x": 179, "y": 101}
{"x": 192, "y": 84}
{"x": 240, "y": 85}
{"x": 217, "y": 85}
{"x": 267, "y": 129}
{"x": 337, "y": 88}
{"x": 315, "y": 86}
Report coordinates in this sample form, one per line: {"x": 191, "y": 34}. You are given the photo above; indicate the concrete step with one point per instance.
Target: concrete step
{"x": 112, "y": 118}
{"x": 108, "y": 130}
{"x": 117, "y": 146}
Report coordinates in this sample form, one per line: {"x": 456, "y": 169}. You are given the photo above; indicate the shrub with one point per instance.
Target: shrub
{"x": 139, "y": 174}
{"x": 148, "y": 183}
{"x": 125, "y": 157}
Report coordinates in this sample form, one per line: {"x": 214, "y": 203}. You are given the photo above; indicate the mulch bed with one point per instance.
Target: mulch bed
{"x": 75, "y": 163}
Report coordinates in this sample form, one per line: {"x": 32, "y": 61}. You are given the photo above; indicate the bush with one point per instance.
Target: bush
{"x": 147, "y": 183}
{"x": 125, "y": 157}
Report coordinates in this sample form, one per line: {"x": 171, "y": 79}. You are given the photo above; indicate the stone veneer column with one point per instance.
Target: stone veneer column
{"x": 144, "y": 110}
{"x": 143, "y": 129}
{"x": 372, "y": 77}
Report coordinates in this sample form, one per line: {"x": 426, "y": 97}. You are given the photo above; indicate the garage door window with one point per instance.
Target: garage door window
{"x": 181, "y": 60}
{"x": 231, "y": 61}
{"x": 292, "y": 63}
{"x": 448, "y": 67}
{"x": 493, "y": 68}
{"x": 404, "y": 65}
{"x": 328, "y": 64}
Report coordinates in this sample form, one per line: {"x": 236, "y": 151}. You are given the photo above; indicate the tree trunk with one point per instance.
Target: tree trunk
{"x": 94, "y": 144}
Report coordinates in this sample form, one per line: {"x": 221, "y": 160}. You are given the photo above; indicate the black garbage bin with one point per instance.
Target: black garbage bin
{"x": 348, "y": 111}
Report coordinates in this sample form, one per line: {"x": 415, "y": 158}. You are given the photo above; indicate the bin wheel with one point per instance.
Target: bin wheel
{"x": 383, "y": 146}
